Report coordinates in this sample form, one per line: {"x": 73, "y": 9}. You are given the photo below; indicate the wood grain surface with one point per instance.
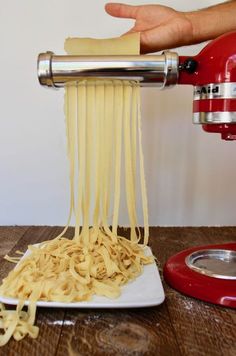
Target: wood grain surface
{"x": 180, "y": 326}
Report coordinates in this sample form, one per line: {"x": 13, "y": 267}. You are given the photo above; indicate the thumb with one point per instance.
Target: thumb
{"x": 121, "y": 10}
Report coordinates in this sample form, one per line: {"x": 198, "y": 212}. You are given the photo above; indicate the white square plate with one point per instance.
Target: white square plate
{"x": 145, "y": 291}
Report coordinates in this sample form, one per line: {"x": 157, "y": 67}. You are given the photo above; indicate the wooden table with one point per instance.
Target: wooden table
{"x": 180, "y": 326}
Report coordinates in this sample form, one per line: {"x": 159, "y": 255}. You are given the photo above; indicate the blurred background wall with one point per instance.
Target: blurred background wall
{"x": 190, "y": 174}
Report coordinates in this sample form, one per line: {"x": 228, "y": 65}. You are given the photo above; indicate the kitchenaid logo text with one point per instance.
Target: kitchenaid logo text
{"x": 206, "y": 90}
{"x": 215, "y": 91}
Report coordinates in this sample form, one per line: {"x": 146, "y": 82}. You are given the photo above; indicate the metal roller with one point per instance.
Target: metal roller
{"x": 159, "y": 70}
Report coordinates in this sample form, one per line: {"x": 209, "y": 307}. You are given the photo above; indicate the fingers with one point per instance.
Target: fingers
{"x": 121, "y": 10}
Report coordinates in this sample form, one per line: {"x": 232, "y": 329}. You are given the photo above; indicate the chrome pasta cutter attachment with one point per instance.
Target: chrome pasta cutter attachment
{"x": 149, "y": 70}
{"x": 212, "y": 73}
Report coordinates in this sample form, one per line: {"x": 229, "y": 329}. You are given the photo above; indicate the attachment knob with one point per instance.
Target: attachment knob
{"x": 189, "y": 65}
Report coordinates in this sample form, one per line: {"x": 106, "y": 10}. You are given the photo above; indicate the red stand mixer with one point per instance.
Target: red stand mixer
{"x": 207, "y": 273}
{"x": 213, "y": 74}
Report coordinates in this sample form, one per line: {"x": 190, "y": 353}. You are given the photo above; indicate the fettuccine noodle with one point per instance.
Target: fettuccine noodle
{"x": 104, "y": 141}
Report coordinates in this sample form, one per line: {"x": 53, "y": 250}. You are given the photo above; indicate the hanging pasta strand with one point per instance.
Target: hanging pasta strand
{"x": 107, "y": 148}
{"x": 142, "y": 174}
{"x": 118, "y": 116}
{"x": 97, "y": 154}
{"x": 129, "y": 174}
{"x": 70, "y": 92}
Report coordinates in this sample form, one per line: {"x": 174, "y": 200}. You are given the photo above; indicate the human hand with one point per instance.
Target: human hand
{"x": 160, "y": 27}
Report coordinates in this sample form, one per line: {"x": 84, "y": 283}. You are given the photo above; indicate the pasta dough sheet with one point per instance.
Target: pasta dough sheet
{"x": 125, "y": 45}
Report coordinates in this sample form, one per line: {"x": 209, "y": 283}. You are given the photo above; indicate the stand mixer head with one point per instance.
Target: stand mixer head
{"x": 214, "y": 81}
{"x": 212, "y": 73}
